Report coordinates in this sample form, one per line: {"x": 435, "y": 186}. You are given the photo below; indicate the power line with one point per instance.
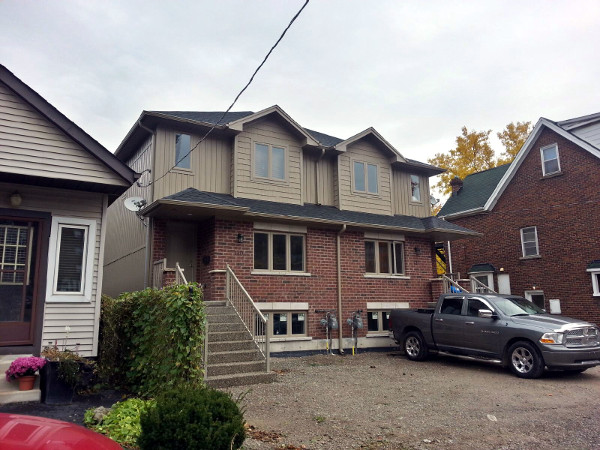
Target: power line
{"x": 234, "y": 101}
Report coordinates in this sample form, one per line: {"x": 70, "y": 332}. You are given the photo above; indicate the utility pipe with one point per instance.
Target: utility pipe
{"x": 339, "y": 289}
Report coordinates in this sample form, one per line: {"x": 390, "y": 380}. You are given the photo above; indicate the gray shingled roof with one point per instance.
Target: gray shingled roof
{"x": 475, "y": 192}
{"x": 324, "y": 139}
{"x": 317, "y": 212}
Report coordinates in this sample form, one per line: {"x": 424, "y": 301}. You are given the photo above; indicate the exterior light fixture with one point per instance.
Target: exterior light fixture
{"x": 16, "y": 199}
{"x": 240, "y": 238}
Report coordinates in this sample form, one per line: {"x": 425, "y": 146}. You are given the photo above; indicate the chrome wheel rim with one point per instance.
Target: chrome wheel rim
{"x": 522, "y": 360}
{"x": 412, "y": 346}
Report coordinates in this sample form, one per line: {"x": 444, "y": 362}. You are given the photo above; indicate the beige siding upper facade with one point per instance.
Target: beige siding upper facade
{"x": 319, "y": 182}
{"x": 402, "y": 198}
{"x": 363, "y": 151}
{"x": 80, "y": 316}
{"x": 31, "y": 145}
{"x": 247, "y": 184}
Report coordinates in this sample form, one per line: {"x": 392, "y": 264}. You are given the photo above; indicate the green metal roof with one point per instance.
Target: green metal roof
{"x": 475, "y": 192}
{"x": 594, "y": 264}
{"x": 478, "y": 268}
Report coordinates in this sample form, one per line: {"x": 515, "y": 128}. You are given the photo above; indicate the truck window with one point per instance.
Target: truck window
{"x": 474, "y": 307}
{"x": 451, "y": 306}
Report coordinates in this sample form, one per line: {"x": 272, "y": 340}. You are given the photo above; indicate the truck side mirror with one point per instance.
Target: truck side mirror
{"x": 487, "y": 314}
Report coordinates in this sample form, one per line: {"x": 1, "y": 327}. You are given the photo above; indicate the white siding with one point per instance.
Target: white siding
{"x": 81, "y": 317}
{"x": 589, "y": 133}
{"x": 32, "y": 145}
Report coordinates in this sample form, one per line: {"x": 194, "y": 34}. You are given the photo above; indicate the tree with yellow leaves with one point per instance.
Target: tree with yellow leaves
{"x": 513, "y": 137}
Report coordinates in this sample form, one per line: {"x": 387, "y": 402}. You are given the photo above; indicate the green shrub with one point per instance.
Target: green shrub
{"x": 193, "y": 419}
{"x": 151, "y": 340}
{"x": 122, "y": 423}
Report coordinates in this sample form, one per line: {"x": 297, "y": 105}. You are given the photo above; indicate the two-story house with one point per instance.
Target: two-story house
{"x": 308, "y": 222}
{"x": 539, "y": 218}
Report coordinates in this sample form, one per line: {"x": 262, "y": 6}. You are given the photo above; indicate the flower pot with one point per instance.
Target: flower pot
{"x": 26, "y": 383}
{"x": 54, "y": 390}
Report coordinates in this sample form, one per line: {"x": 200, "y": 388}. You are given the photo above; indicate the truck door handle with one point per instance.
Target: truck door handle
{"x": 469, "y": 323}
{"x": 439, "y": 320}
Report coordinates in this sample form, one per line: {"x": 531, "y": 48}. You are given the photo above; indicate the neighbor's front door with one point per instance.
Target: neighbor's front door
{"x": 20, "y": 247}
{"x": 182, "y": 247}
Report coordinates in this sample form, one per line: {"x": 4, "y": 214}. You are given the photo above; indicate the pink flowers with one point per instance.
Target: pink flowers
{"x": 22, "y": 367}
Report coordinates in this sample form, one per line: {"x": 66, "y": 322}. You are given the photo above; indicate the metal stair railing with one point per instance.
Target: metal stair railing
{"x": 254, "y": 320}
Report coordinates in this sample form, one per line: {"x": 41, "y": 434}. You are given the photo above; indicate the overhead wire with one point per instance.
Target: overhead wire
{"x": 218, "y": 122}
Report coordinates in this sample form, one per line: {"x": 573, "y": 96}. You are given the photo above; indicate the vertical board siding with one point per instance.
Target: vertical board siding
{"x": 403, "y": 194}
{"x": 354, "y": 201}
{"x": 65, "y": 203}
{"x": 325, "y": 184}
{"x": 31, "y": 145}
{"x": 124, "y": 254}
{"x": 269, "y": 132}
{"x": 209, "y": 168}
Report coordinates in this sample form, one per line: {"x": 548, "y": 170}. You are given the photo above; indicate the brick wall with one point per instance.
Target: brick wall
{"x": 566, "y": 212}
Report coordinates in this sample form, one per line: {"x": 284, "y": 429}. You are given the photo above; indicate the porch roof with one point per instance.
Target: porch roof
{"x": 216, "y": 204}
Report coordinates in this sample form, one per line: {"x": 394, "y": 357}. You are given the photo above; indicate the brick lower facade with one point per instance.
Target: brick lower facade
{"x": 564, "y": 209}
{"x": 218, "y": 247}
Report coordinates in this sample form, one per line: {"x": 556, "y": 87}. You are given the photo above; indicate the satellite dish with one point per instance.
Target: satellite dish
{"x": 434, "y": 201}
{"x": 134, "y": 203}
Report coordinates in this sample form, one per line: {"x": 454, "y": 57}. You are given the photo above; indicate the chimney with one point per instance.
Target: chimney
{"x": 457, "y": 185}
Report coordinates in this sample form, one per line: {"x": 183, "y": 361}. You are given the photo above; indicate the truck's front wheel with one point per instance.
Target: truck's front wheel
{"x": 525, "y": 360}
{"x": 415, "y": 346}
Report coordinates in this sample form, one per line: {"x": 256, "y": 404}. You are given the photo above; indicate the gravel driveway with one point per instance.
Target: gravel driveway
{"x": 382, "y": 400}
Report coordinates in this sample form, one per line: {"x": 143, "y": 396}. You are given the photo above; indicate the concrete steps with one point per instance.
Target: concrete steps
{"x": 233, "y": 358}
{"x": 9, "y": 391}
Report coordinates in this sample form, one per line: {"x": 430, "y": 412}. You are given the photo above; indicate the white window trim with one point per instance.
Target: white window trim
{"x": 85, "y": 295}
{"x": 288, "y": 254}
{"x": 595, "y": 284}
{"x": 543, "y": 162}
{"x": 490, "y": 281}
{"x": 392, "y": 261}
{"x": 366, "y": 173}
{"x": 529, "y": 295}
{"x": 176, "y": 168}
{"x": 537, "y": 244}
{"x": 412, "y": 200}
{"x": 270, "y": 179}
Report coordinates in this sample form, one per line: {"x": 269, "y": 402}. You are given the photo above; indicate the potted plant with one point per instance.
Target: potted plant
{"x": 24, "y": 369}
{"x": 60, "y": 375}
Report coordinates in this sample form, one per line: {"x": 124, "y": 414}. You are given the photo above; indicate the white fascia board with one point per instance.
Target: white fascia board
{"x": 525, "y": 151}
{"x": 467, "y": 212}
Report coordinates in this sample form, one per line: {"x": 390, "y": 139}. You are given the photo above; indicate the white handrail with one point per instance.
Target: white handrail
{"x": 449, "y": 281}
{"x": 480, "y": 287}
{"x": 179, "y": 276}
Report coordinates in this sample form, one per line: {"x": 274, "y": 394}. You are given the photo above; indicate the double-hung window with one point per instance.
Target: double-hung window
{"x": 529, "y": 242}
{"x": 275, "y": 251}
{"x": 365, "y": 177}
{"x": 550, "y": 159}
{"x": 71, "y": 260}
{"x": 594, "y": 271}
{"x": 384, "y": 257}
{"x": 415, "y": 188}
{"x": 269, "y": 161}
{"x": 182, "y": 151}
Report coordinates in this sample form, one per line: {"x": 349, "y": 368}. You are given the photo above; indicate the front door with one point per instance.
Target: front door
{"x": 182, "y": 247}
{"x": 20, "y": 248}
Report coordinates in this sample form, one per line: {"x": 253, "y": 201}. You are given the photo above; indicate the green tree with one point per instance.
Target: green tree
{"x": 513, "y": 137}
{"x": 473, "y": 153}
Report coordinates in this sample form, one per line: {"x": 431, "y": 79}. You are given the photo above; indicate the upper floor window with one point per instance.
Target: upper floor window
{"x": 594, "y": 270}
{"x": 279, "y": 252}
{"x": 415, "y": 188}
{"x": 182, "y": 151}
{"x": 529, "y": 241}
{"x": 365, "y": 177}
{"x": 269, "y": 161}
{"x": 550, "y": 159}
{"x": 384, "y": 257}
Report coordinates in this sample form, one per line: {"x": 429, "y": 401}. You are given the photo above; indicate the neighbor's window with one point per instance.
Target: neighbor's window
{"x": 287, "y": 324}
{"x": 269, "y": 161}
{"x": 594, "y": 270}
{"x": 529, "y": 241}
{"x": 72, "y": 254}
{"x": 279, "y": 252}
{"x": 415, "y": 188}
{"x": 365, "y": 177}
{"x": 384, "y": 257}
{"x": 550, "y": 159}
{"x": 378, "y": 321}
{"x": 182, "y": 151}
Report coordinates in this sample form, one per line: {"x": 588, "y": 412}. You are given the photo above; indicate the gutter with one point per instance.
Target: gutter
{"x": 339, "y": 289}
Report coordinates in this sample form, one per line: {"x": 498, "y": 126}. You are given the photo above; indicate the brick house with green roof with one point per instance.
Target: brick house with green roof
{"x": 539, "y": 218}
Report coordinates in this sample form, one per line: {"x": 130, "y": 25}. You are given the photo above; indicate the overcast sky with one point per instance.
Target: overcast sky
{"x": 416, "y": 71}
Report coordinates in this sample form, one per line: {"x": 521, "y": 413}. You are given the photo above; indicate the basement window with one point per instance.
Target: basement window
{"x": 286, "y": 323}
{"x": 378, "y": 321}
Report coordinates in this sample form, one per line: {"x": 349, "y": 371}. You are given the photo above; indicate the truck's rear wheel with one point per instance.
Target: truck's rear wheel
{"x": 415, "y": 346}
{"x": 525, "y": 360}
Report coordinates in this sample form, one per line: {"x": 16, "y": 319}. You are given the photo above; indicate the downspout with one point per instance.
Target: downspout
{"x": 317, "y": 201}
{"x": 449, "y": 258}
{"x": 339, "y": 289}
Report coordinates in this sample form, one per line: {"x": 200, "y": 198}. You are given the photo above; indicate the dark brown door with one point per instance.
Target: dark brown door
{"x": 20, "y": 247}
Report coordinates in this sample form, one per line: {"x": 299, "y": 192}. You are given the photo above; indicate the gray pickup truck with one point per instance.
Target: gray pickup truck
{"x": 504, "y": 329}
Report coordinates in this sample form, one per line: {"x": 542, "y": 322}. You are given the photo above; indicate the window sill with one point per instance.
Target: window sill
{"x": 378, "y": 334}
{"x": 271, "y": 181}
{"x": 596, "y": 294}
{"x": 291, "y": 338}
{"x": 415, "y": 203}
{"x": 386, "y": 277}
{"x": 366, "y": 194}
{"x": 530, "y": 257}
{"x": 552, "y": 175}
{"x": 276, "y": 272}
{"x": 182, "y": 171}
{"x": 59, "y": 298}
